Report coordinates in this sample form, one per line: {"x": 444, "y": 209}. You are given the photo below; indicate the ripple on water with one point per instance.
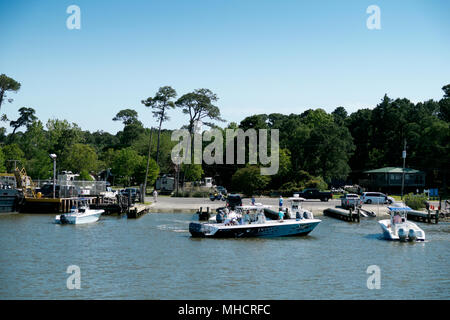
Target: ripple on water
{"x": 154, "y": 257}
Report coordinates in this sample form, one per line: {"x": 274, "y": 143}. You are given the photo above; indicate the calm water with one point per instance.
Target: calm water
{"x": 154, "y": 257}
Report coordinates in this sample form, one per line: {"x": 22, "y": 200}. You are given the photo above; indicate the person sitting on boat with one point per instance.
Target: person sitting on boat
{"x": 246, "y": 219}
{"x": 219, "y": 216}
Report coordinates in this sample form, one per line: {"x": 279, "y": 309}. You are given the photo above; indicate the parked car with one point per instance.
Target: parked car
{"x": 350, "y": 200}
{"x": 135, "y": 193}
{"x": 337, "y": 190}
{"x": 221, "y": 190}
{"x": 311, "y": 193}
{"x": 216, "y": 196}
{"x": 376, "y": 197}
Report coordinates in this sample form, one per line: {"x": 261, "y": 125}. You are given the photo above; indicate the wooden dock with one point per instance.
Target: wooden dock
{"x": 63, "y": 205}
{"x": 346, "y": 215}
{"x": 137, "y": 211}
{"x": 421, "y": 216}
{"x": 50, "y": 205}
{"x": 119, "y": 205}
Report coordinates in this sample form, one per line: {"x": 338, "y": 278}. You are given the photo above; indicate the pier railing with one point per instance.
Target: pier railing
{"x": 68, "y": 189}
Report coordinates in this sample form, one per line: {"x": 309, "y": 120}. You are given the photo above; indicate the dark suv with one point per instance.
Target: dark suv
{"x": 222, "y": 190}
{"x": 135, "y": 193}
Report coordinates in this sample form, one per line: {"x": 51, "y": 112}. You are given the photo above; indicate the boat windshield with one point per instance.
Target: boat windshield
{"x": 251, "y": 209}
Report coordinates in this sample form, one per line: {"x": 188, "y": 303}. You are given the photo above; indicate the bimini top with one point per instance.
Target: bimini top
{"x": 399, "y": 206}
{"x": 296, "y": 197}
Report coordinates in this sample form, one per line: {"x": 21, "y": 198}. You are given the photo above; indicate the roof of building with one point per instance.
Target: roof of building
{"x": 393, "y": 170}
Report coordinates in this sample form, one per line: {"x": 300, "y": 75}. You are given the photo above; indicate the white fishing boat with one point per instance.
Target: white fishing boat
{"x": 296, "y": 208}
{"x": 398, "y": 227}
{"x": 250, "y": 221}
{"x": 80, "y": 213}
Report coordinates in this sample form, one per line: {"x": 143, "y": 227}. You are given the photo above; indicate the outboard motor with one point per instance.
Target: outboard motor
{"x": 63, "y": 219}
{"x": 203, "y": 216}
{"x": 308, "y": 215}
{"x": 412, "y": 235}
{"x": 402, "y": 234}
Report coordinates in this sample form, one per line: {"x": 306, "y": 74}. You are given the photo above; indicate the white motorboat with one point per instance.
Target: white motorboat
{"x": 296, "y": 208}
{"x": 250, "y": 221}
{"x": 398, "y": 227}
{"x": 79, "y": 214}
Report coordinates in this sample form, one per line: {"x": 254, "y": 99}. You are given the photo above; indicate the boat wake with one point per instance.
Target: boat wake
{"x": 171, "y": 228}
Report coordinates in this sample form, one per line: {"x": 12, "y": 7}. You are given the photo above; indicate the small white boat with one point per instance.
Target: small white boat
{"x": 79, "y": 214}
{"x": 398, "y": 227}
{"x": 296, "y": 208}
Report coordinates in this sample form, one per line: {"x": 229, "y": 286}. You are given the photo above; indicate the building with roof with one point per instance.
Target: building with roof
{"x": 389, "y": 179}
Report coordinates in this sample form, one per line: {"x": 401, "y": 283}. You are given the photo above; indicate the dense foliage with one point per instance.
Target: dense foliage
{"x": 317, "y": 148}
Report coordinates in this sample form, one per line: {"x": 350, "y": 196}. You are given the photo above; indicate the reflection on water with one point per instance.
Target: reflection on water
{"x": 154, "y": 257}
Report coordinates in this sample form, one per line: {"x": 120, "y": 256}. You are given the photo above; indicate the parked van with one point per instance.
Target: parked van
{"x": 375, "y": 197}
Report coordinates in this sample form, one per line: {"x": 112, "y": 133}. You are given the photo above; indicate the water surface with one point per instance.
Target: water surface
{"x": 154, "y": 257}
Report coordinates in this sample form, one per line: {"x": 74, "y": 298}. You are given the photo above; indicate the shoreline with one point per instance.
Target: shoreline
{"x": 192, "y": 205}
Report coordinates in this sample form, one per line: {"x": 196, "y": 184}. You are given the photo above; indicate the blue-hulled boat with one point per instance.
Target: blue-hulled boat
{"x": 250, "y": 221}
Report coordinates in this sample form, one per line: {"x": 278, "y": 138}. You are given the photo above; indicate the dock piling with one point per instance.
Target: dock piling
{"x": 346, "y": 215}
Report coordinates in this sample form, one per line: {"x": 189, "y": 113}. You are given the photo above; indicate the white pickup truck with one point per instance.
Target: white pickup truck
{"x": 350, "y": 200}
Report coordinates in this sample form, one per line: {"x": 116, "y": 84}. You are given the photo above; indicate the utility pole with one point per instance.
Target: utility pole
{"x": 15, "y": 163}
{"x": 403, "y": 171}
{"x": 148, "y": 164}
{"x": 53, "y": 157}
{"x": 177, "y": 159}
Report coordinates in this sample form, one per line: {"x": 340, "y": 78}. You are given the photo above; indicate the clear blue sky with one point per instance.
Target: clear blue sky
{"x": 258, "y": 56}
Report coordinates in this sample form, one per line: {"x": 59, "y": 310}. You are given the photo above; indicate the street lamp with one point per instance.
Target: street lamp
{"x": 403, "y": 171}
{"x": 53, "y": 157}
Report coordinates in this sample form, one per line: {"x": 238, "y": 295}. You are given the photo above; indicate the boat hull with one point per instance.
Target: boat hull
{"x": 402, "y": 231}
{"x": 10, "y": 200}
{"x": 79, "y": 219}
{"x": 275, "y": 229}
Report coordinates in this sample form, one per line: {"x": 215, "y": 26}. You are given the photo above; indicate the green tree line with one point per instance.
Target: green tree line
{"x": 317, "y": 148}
